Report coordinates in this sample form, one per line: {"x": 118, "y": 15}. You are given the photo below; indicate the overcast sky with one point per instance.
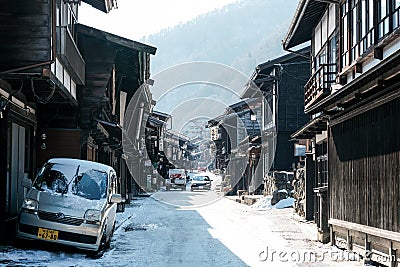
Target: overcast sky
{"x": 135, "y": 19}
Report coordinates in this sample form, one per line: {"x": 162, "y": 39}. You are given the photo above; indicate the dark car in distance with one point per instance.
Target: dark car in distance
{"x": 200, "y": 182}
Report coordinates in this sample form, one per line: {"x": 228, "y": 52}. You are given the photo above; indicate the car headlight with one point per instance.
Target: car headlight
{"x": 30, "y": 205}
{"x": 92, "y": 216}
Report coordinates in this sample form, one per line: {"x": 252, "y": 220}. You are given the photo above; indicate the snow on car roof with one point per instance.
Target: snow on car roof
{"x": 83, "y": 163}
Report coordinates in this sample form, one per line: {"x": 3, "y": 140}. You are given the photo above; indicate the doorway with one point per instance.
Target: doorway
{"x": 18, "y": 167}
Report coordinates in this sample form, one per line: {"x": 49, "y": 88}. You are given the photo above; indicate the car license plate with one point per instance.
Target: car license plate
{"x": 47, "y": 234}
{"x": 200, "y": 187}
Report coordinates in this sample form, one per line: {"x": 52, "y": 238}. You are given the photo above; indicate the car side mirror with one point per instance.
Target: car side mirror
{"x": 116, "y": 198}
{"x": 27, "y": 183}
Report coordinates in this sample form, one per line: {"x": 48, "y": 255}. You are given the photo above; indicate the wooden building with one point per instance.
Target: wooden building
{"x": 353, "y": 96}
{"x": 41, "y": 67}
{"x": 113, "y": 80}
{"x": 279, "y": 84}
{"x": 237, "y": 145}
{"x": 58, "y": 97}
{"x": 254, "y": 134}
{"x": 156, "y": 127}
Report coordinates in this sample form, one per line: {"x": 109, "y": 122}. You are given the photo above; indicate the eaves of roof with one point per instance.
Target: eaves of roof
{"x": 307, "y": 15}
{"x": 102, "y": 5}
{"x": 118, "y": 40}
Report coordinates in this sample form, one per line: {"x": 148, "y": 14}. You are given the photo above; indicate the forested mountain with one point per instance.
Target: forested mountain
{"x": 241, "y": 35}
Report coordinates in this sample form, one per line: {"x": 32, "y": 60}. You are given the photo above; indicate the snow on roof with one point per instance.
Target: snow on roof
{"x": 83, "y": 163}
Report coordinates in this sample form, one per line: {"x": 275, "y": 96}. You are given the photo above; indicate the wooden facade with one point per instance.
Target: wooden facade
{"x": 355, "y": 120}
{"x": 61, "y": 142}
{"x": 281, "y": 81}
{"x": 17, "y": 154}
{"x": 371, "y": 167}
{"x": 55, "y": 103}
{"x": 112, "y": 82}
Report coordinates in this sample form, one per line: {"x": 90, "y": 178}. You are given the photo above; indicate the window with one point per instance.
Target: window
{"x": 364, "y": 23}
{"x": 71, "y": 19}
{"x": 383, "y": 18}
{"x": 80, "y": 181}
{"x": 354, "y": 31}
{"x": 343, "y": 30}
{"x": 66, "y": 16}
{"x": 324, "y": 63}
{"x": 332, "y": 48}
{"x": 396, "y": 14}
{"x": 322, "y": 164}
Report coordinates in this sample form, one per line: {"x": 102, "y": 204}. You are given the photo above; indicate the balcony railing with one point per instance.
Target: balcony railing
{"x": 318, "y": 86}
{"x": 70, "y": 55}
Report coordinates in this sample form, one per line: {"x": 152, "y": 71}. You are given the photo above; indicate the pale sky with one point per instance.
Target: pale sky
{"x": 137, "y": 18}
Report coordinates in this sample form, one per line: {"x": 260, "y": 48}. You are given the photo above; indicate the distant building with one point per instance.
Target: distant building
{"x": 255, "y": 132}
{"x": 281, "y": 81}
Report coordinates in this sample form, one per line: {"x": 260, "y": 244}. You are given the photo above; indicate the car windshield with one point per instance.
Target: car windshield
{"x": 58, "y": 178}
{"x": 200, "y": 178}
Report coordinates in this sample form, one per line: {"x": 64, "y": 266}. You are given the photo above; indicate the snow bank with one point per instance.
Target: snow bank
{"x": 284, "y": 203}
{"x": 265, "y": 203}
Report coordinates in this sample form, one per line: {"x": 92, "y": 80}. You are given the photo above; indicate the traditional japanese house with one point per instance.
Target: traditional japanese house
{"x": 278, "y": 86}
{"x": 236, "y": 142}
{"x": 281, "y": 81}
{"x": 353, "y": 98}
{"x": 114, "y": 81}
{"x": 219, "y": 135}
{"x": 41, "y": 67}
{"x": 155, "y": 131}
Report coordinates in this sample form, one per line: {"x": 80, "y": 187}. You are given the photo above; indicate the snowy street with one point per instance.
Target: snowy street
{"x": 223, "y": 233}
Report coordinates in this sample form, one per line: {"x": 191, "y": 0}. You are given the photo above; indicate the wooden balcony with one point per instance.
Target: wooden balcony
{"x": 318, "y": 86}
{"x": 70, "y": 55}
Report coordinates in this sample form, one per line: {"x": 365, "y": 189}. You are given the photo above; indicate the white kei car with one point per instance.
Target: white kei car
{"x": 71, "y": 202}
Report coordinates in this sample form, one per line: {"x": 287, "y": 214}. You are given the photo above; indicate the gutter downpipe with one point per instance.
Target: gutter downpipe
{"x": 28, "y": 67}
{"x": 54, "y": 31}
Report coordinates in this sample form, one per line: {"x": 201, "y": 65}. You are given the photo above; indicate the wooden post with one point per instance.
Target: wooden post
{"x": 368, "y": 252}
{"x": 349, "y": 241}
{"x": 309, "y": 185}
{"x": 323, "y": 227}
{"x": 332, "y": 235}
{"x": 392, "y": 256}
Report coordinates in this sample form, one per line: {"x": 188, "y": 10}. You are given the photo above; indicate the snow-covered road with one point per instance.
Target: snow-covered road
{"x": 224, "y": 233}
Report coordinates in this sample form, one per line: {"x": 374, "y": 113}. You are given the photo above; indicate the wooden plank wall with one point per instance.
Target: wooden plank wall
{"x": 25, "y": 31}
{"x": 364, "y": 168}
{"x": 291, "y": 114}
{"x": 59, "y": 143}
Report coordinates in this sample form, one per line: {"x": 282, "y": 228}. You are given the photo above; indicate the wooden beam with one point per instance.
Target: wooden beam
{"x": 358, "y": 68}
{"x": 378, "y": 53}
{"x": 82, "y": 29}
{"x": 390, "y": 235}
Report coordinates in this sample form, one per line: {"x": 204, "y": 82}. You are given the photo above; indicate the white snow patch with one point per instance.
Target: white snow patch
{"x": 265, "y": 203}
{"x": 284, "y": 203}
